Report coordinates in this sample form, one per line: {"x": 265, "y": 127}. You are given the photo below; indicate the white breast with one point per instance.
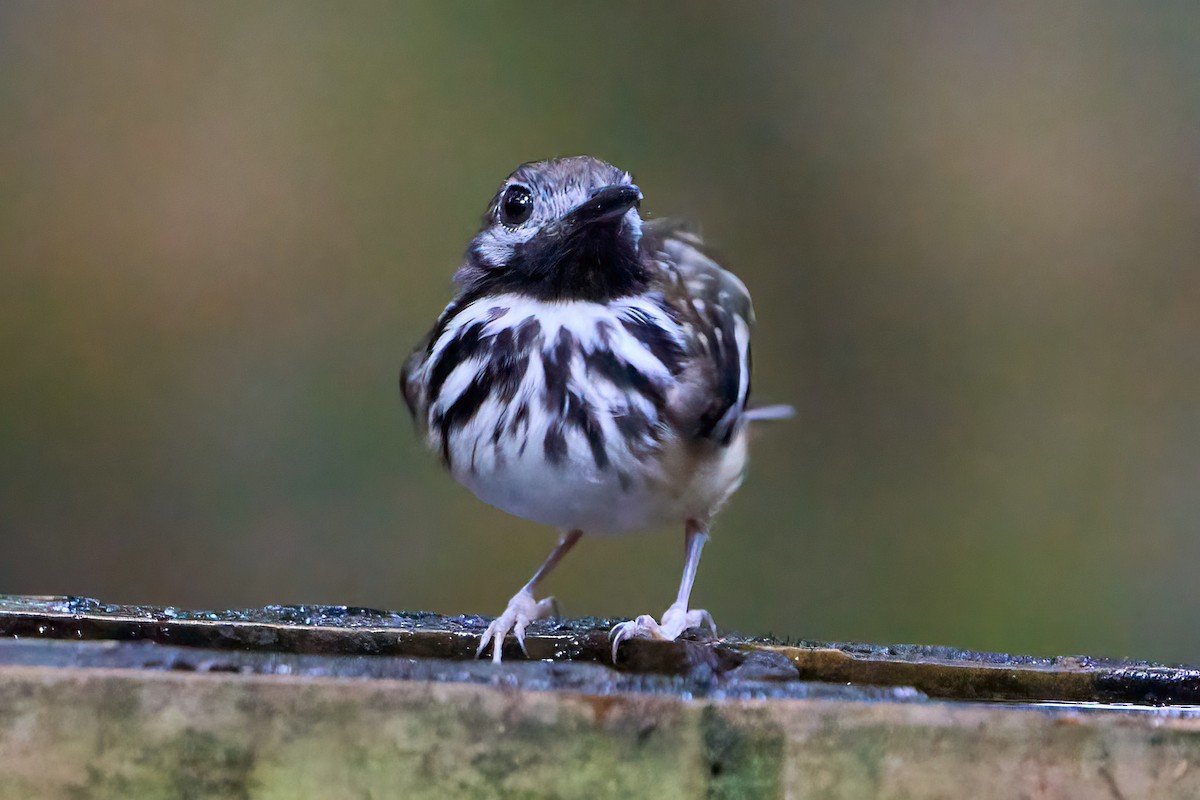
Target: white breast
{"x": 616, "y": 468}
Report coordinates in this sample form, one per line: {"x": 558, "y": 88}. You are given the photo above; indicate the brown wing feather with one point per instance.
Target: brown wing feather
{"x": 714, "y": 305}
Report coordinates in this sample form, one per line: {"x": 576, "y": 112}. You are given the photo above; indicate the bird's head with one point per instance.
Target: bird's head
{"x": 564, "y": 229}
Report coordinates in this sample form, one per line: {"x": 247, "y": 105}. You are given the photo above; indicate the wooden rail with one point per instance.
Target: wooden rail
{"x": 105, "y": 701}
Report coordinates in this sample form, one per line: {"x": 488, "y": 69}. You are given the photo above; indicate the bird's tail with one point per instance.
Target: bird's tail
{"x": 765, "y": 413}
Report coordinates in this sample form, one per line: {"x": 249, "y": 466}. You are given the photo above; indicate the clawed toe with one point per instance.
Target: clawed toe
{"x": 643, "y": 626}
{"x": 522, "y": 609}
{"x": 675, "y": 621}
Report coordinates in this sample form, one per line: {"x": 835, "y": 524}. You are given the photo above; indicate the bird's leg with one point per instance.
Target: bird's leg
{"x": 522, "y": 608}
{"x": 678, "y": 618}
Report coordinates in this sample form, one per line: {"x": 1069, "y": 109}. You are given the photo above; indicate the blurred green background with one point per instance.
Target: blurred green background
{"x": 971, "y": 231}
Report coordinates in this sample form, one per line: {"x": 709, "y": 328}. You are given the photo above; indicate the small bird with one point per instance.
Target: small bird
{"x": 592, "y": 374}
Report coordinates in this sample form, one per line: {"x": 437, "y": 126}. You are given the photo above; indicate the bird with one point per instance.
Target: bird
{"x": 591, "y": 373}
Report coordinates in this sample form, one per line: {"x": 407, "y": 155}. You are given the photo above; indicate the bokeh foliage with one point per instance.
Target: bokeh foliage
{"x": 971, "y": 231}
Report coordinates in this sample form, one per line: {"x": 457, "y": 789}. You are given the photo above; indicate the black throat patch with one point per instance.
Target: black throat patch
{"x": 596, "y": 263}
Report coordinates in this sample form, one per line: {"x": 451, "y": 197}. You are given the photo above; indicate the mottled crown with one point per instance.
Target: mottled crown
{"x": 547, "y": 233}
{"x": 558, "y": 185}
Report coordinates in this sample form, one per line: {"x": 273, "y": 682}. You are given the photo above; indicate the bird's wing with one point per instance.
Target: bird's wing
{"x": 410, "y": 384}
{"x": 714, "y": 307}
{"x": 413, "y": 380}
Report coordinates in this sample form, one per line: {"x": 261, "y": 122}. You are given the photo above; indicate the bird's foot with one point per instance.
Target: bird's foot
{"x": 675, "y": 621}
{"x": 522, "y": 609}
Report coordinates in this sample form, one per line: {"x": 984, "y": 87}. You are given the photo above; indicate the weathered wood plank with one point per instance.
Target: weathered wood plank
{"x": 119, "y": 702}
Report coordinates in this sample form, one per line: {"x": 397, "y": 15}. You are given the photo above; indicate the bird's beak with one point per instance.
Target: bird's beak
{"x": 591, "y": 251}
{"x": 609, "y": 203}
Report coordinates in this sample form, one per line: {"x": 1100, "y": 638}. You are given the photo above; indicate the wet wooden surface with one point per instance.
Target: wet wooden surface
{"x": 332, "y": 640}
{"x": 102, "y": 700}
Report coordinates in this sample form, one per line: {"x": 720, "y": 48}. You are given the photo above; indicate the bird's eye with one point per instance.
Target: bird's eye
{"x": 516, "y": 205}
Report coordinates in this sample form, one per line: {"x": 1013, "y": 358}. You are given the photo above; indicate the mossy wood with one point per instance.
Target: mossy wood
{"x": 284, "y": 702}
